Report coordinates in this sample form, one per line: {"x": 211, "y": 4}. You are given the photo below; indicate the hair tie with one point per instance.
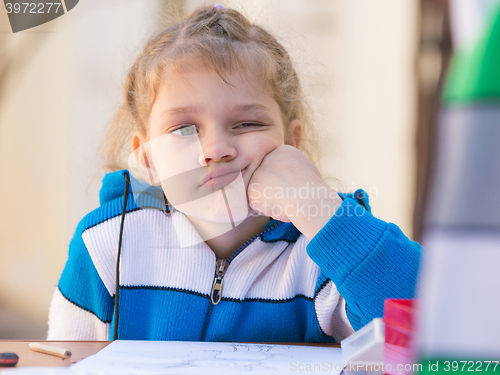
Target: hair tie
{"x": 219, "y": 6}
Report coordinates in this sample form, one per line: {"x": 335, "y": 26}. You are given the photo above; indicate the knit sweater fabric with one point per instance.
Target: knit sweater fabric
{"x": 278, "y": 287}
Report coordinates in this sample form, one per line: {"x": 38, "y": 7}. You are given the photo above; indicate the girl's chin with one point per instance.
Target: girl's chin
{"x": 227, "y": 206}
{"x": 217, "y": 214}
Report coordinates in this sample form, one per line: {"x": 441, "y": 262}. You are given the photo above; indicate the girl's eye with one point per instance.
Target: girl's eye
{"x": 185, "y": 131}
{"x": 247, "y": 124}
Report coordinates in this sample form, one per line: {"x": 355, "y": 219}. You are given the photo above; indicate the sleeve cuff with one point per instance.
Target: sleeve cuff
{"x": 346, "y": 240}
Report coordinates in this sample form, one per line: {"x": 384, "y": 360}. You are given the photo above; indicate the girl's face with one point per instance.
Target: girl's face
{"x": 206, "y": 139}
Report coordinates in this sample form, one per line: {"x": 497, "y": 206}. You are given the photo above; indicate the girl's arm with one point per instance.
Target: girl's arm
{"x": 81, "y": 307}
{"x": 367, "y": 259}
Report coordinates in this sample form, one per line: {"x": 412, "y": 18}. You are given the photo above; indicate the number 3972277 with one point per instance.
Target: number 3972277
{"x": 470, "y": 365}
{"x": 32, "y": 7}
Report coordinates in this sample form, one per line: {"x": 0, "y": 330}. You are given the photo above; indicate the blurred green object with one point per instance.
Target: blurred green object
{"x": 459, "y": 325}
{"x": 474, "y": 75}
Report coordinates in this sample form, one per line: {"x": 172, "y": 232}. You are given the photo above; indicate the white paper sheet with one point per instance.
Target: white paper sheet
{"x": 174, "y": 357}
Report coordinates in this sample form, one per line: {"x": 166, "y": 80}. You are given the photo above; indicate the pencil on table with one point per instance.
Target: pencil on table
{"x": 49, "y": 349}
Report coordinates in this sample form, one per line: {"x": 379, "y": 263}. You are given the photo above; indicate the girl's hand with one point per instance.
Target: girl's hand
{"x": 288, "y": 187}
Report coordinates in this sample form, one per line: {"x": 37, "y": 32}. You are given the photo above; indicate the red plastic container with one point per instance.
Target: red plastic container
{"x": 399, "y": 322}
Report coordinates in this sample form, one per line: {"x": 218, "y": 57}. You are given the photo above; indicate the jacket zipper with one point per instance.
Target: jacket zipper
{"x": 221, "y": 266}
{"x": 220, "y": 270}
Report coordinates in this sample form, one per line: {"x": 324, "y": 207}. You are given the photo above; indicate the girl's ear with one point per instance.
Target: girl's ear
{"x": 140, "y": 163}
{"x": 293, "y": 134}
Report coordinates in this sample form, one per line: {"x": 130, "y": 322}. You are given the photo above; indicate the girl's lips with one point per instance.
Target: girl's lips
{"x": 219, "y": 182}
{"x": 220, "y": 175}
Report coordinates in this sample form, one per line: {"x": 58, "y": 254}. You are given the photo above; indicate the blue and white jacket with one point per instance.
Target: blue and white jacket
{"x": 278, "y": 287}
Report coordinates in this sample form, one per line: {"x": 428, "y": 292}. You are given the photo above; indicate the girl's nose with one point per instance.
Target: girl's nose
{"x": 217, "y": 148}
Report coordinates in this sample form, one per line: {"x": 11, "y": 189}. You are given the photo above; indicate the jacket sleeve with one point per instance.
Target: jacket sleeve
{"x": 81, "y": 308}
{"x": 367, "y": 259}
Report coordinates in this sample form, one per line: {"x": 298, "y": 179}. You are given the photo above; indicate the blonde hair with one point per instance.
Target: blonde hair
{"x": 219, "y": 39}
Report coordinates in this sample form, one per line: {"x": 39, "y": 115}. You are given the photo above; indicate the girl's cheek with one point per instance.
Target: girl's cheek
{"x": 263, "y": 142}
{"x": 268, "y": 146}
{"x": 172, "y": 156}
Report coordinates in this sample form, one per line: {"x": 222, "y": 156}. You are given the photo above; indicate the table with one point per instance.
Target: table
{"x": 28, "y": 357}
{"x": 79, "y": 351}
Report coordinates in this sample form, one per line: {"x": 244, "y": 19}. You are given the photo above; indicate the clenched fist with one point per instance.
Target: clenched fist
{"x": 288, "y": 187}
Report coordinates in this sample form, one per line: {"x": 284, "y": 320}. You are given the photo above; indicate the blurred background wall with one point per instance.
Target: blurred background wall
{"x": 60, "y": 82}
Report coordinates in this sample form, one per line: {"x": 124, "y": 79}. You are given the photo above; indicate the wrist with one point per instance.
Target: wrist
{"x": 310, "y": 213}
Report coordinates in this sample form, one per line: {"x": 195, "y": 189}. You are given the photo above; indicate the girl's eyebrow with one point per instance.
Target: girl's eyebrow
{"x": 236, "y": 108}
{"x": 251, "y": 108}
{"x": 181, "y": 110}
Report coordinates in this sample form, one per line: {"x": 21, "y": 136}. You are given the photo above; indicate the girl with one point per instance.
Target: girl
{"x": 222, "y": 228}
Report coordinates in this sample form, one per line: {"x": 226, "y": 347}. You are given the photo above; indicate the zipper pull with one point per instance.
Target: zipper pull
{"x": 220, "y": 270}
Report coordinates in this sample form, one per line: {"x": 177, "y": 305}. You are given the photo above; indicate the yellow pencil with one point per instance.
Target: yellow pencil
{"x": 49, "y": 349}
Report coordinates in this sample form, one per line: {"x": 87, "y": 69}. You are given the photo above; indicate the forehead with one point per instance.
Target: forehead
{"x": 199, "y": 83}
{"x": 196, "y": 94}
